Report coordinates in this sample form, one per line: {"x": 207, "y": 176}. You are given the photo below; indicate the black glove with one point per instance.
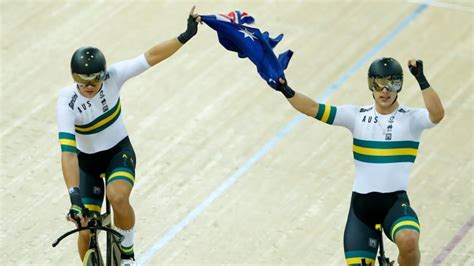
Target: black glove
{"x": 191, "y": 30}
{"x": 77, "y": 207}
{"x": 417, "y": 71}
{"x": 284, "y": 88}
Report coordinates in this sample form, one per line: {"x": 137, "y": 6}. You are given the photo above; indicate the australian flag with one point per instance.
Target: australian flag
{"x": 250, "y": 42}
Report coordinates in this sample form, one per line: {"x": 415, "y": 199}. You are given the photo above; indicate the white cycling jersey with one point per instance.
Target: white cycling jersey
{"x": 95, "y": 124}
{"x": 384, "y": 146}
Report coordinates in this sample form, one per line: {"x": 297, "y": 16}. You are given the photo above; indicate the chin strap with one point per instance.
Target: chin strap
{"x": 394, "y": 100}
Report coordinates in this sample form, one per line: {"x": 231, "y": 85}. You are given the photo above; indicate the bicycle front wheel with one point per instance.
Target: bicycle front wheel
{"x": 91, "y": 258}
{"x": 116, "y": 254}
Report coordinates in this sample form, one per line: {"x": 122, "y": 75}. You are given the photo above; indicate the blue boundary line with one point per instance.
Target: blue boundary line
{"x": 171, "y": 234}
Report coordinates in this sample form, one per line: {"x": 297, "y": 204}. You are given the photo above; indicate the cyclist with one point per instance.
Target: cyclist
{"x": 93, "y": 138}
{"x": 386, "y": 136}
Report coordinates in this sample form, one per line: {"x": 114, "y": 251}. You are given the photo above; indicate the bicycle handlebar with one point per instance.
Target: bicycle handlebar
{"x": 93, "y": 224}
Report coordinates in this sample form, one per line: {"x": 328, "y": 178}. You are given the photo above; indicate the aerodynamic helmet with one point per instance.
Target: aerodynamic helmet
{"x": 88, "y": 64}
{"x": 387, "y": 73}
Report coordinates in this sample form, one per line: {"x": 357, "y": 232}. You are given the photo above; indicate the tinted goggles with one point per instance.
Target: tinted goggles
{"x": 86, "y": 79}
{"x": 392, "y": 85}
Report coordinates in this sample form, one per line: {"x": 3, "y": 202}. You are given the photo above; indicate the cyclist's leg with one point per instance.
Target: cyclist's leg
{"x": 92, "y": 194}
{"x": 360, "y": 240}
{"x": 120, "y": 180}
{"x": 402, "y": 227}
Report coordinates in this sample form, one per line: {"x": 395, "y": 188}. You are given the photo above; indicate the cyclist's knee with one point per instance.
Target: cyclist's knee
{"x": 118, "y": 198}
{"x": 407, "y": 241}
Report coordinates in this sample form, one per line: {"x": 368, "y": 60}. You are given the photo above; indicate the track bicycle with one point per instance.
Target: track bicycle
{"x": 383, "y": 261}
{"x": 93, "y": 256}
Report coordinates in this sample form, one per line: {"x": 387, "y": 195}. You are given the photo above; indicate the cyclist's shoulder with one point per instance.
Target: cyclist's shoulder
{"x": 409, "y": 110}
{"x": 353, "y": 110}
{"x": 365, "y": 108}
{"x": 68, "y": 91}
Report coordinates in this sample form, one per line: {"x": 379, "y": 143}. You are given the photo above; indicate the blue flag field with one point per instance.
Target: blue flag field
{"x": 248, "y": 42}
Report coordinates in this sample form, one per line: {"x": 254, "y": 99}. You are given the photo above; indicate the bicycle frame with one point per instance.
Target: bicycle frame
{"x": 95, "y": 225}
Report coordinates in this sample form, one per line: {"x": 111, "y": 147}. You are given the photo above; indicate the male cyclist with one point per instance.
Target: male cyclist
{"x": 386, "y": 137}
{"x": 94, "y": 141}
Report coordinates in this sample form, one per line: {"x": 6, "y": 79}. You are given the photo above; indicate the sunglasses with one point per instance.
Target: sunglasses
{"x": 392, "y": 85}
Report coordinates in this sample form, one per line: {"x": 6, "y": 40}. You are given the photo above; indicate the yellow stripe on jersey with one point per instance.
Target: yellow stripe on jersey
{"x": 101, "y": 122}
{"x": 67, "y": 142}
{"x": 326, "y": 113}
{"x": 384, "y": 152}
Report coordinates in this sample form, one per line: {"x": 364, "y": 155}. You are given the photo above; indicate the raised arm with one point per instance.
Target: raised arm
{"x": 163, "y": 50}
{"x": 430, "y": 97}
{"x": 304, "y": 104}
{"x": 299, "y": 101}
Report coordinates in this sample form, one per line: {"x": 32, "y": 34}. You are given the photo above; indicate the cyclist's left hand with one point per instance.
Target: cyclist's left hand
{"x": 84, "y": 221}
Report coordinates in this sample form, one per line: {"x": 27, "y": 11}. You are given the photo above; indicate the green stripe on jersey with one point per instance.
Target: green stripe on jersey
{"x": 384, "y": 159}
{"x": 385, "y": 151}
{"x": 386, "y": 144}
{"x": 102, "y": 122}
{"x": 67, "y": 142}
{"x": 65, "y": 135}
{"x": 326, "y": 113}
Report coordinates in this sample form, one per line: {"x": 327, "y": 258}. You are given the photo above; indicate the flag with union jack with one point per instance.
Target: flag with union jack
{"x": 234, "y": 34}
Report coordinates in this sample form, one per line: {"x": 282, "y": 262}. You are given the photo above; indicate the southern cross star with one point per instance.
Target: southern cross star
{"x": 247, "y": 33}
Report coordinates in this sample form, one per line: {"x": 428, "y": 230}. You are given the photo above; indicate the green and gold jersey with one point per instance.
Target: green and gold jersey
{"x": 95, "y": 124}
{"x": 384, "y": 146}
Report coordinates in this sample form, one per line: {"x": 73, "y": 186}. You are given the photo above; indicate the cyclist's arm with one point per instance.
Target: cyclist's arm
{"x": 433, "y": 105}
{"x": 304, "y": 104}
{"x": 325, "y": 113}
{"x": 67, "y": 139}
{"x": 163, "y": 50}
{"x": 430, "y": 97}
{"x": 70, "y": 167}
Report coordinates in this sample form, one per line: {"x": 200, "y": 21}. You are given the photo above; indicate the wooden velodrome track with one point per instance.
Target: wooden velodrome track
{"x": 218, "y": 181}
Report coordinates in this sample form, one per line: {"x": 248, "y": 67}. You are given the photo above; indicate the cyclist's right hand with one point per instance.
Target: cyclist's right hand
{"x": 77, "y": 213}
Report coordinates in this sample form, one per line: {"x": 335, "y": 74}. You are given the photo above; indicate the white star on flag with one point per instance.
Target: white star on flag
{"x": 247, "y": 33}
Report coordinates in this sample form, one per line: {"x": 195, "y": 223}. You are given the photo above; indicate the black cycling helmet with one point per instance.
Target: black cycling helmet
{"x": 387, "y": 73}
{"x": 87, "y": 64}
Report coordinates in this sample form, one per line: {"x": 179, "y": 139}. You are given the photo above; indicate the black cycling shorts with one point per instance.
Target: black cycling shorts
{"x": 391, "y": 210}
{"x": 117, "y": 163}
